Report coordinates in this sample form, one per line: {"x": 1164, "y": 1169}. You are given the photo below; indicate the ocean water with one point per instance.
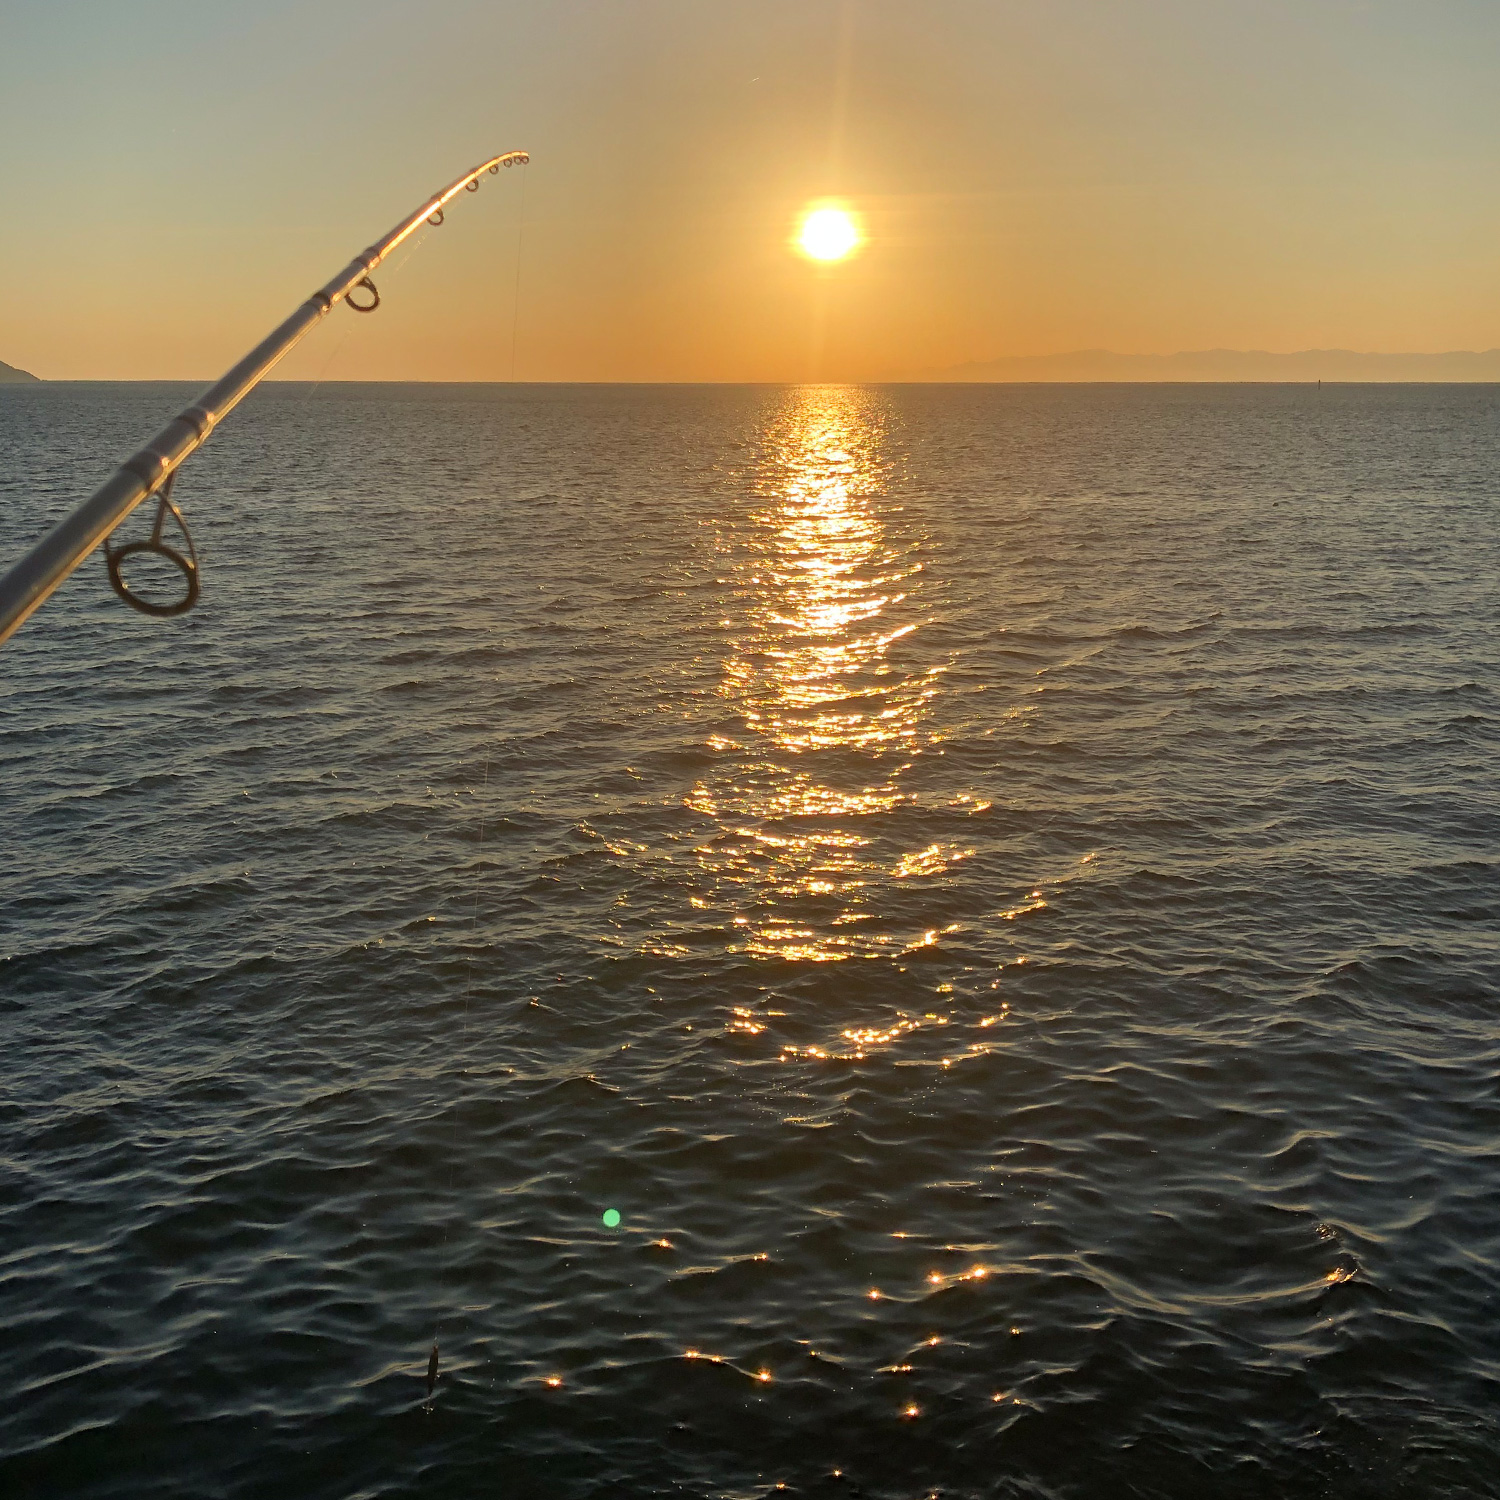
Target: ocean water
{"x": 996, "y": 886}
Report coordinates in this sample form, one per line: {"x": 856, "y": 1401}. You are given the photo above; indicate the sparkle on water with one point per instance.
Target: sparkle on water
{"x": 810, "y": 669}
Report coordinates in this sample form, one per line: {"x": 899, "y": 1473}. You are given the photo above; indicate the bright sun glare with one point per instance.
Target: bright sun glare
{"x": 828, "y": 234}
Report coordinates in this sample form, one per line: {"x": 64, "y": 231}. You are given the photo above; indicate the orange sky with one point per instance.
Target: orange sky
{"x": 1034, "y": 177}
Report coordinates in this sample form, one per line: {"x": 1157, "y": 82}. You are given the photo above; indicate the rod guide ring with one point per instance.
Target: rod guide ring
{"x": 186, "y": 563}
{"x": 368, "y": 285}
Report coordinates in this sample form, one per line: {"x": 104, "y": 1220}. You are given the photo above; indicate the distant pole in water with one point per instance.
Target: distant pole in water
{"x": 150, "y": 472}
{"x": 432, "y": 1369}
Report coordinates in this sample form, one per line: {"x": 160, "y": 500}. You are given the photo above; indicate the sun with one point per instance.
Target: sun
{"x": 828, "y": 233}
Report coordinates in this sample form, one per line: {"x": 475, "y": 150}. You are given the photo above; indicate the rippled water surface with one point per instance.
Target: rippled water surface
{"x": 996, "y": 886}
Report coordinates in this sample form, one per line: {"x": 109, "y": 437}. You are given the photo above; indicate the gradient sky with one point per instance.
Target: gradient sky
{"x": 1034, "y": 176}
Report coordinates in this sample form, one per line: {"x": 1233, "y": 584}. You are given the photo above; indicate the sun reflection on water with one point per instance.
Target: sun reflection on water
{"x": 819, "y": 675}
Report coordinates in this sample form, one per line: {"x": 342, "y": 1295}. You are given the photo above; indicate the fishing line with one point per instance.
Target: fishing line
{"x": 434, "y": 1358}
{"x": 463, "y": 1043}
{"x": 462, "y": 1052}
{"x": 411, "y": 249}
{"x": 515, "y": 303}
{"x": 351, "y": 324}
{"x": 333, "y": 353}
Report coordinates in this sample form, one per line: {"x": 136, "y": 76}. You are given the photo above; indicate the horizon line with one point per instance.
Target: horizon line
{"x": 195, "y": 380}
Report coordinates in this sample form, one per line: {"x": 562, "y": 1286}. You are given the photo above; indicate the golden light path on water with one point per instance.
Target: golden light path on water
{"x": 830, "y": 719}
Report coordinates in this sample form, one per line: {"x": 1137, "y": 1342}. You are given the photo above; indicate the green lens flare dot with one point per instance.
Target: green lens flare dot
{"x": 611, "y": 1218}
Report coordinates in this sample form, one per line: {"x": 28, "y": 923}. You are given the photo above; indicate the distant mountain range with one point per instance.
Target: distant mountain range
{"x": 9, "y": 375}
{"x": 1231, "y": 364}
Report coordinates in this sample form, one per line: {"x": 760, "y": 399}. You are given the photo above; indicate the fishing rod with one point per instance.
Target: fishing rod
{"x": 150, "y": 472}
